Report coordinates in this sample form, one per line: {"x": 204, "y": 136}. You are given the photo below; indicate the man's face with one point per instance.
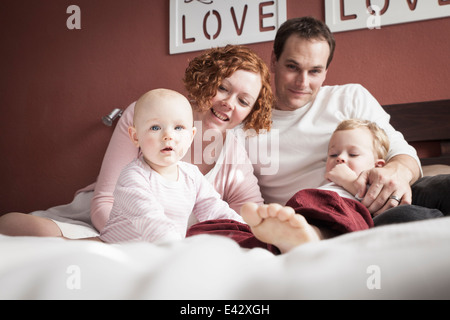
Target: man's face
{"x": 299, "y": 72}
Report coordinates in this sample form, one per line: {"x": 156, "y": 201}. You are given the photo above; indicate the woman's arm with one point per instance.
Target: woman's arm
{"x": 119, "y": 153}
{"x": 236, "y": 176}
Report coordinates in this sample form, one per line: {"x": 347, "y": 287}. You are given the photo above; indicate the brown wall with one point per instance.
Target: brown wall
{"x": 56, "y": 83}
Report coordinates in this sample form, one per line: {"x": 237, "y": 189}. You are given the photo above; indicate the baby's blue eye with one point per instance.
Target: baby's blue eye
{"x": 179, "y": 128}
{"x": 155, "y": 128}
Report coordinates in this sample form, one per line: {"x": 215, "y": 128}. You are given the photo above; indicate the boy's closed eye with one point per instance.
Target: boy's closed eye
{"x": 334, "y": 155}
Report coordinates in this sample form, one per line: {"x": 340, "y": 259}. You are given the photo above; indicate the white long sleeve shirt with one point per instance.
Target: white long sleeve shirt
{"x": 298, "y": 141}
{"x": 147, "y": 207}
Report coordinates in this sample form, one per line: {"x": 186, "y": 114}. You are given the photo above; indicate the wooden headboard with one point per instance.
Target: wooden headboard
{"x": 426, "y": 126}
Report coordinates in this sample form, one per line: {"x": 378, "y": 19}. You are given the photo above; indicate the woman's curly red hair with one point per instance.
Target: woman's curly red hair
{"x": 206, "y": 72}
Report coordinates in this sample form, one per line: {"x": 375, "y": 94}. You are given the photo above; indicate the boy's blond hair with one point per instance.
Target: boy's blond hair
{"x": 380, "y": 139}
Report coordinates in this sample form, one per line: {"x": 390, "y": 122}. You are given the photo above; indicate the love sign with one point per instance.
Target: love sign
{"x": 201, "y": 24}
{"x": 344, "y": 15}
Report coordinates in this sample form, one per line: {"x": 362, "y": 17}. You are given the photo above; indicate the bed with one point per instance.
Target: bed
{"x": 402, "y": 261}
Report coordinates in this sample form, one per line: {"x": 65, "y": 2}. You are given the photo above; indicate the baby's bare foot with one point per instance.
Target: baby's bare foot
{"x": 278, "y": 225}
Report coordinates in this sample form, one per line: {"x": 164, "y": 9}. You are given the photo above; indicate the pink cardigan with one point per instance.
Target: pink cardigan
{"x": 232, "y": 176}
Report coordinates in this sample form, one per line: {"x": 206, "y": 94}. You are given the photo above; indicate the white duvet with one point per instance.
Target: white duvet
{"x": 404, "y": 261}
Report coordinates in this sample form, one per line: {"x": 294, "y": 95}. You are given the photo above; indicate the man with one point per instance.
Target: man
{"x": 306, "y": 113}
{"x": 304, "y": 116}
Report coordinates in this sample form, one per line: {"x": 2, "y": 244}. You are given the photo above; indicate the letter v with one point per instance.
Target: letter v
{"x": 412, "y": 4}
{"x": 233, "y": 14}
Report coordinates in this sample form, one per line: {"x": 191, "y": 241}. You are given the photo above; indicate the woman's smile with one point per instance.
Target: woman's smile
{"x": 220, "y": 115}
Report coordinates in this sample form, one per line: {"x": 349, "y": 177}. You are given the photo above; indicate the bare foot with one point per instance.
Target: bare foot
{"x": 278, "y": 225}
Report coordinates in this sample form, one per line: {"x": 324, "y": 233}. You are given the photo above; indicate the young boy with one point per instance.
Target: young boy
{"x": 355, "y": 146}
{"x": 156, "y": 193}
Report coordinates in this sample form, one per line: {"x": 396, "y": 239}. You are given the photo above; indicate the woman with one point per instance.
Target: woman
{"x": 228, "y": 86}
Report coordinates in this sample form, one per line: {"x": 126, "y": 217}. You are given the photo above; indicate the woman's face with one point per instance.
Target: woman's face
{"x": 233, "y": 101}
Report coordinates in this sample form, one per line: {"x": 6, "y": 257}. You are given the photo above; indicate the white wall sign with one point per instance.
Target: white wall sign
{"x": 201, "y": 24}
{"x": 344, "y": 15}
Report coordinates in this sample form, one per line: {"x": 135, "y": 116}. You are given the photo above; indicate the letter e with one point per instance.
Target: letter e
{"x": 263, "y": 16}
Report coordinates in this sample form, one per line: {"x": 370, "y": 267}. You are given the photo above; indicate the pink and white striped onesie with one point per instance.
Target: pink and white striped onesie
{"x": 147, "y": 207}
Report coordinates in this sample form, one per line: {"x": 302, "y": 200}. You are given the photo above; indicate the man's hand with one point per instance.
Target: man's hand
{"x": 387, "y": 184}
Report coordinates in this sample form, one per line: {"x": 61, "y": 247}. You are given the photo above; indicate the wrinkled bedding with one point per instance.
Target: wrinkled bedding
{"x": 403, "y": 261}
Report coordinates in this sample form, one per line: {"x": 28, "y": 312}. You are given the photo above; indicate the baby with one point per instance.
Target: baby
{"x": 156, "y": 193}
{"x": 315, "y": 214}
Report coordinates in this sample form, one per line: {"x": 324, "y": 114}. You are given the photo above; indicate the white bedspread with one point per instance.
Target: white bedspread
{"x": 405, "y": 261}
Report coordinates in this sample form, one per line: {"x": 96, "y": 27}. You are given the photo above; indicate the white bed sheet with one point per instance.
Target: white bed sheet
{"x": 404, "y": 261}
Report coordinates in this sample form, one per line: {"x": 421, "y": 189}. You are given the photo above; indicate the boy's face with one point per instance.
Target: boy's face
{"x": 163, "y": 130}
{"x": 353, "y": 147}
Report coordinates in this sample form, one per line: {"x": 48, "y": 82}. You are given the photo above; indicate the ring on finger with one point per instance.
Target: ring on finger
{"x": 395, "y": 198}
